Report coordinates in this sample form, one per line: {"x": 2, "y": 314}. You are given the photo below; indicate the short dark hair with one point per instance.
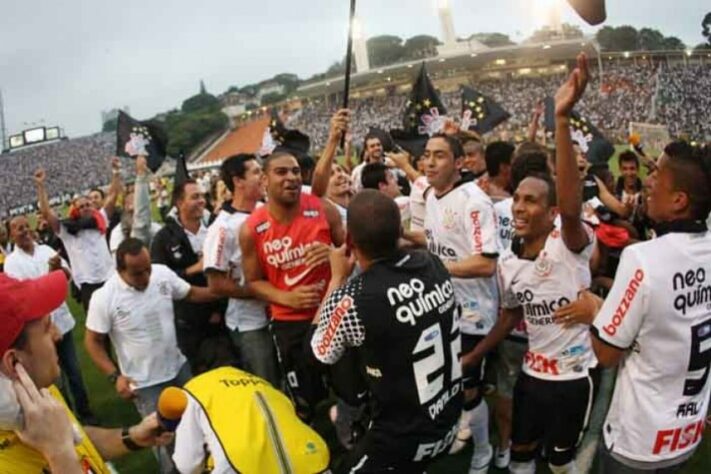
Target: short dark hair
{"x": 235, "y": 165}
{"x": 22, "y": 339}
{"x": 628, "y": 157}
{"x": 497, "y": 153}
{"x": 374, "y": 224}
{"x": 179, "y": 190}
{"x": 371, "y": 136}
{"x": 691, "y": 171}
{"x": 130, "y": 246}
{"x": 548, "y": 179}
{"x": 374, "y": 174}
{"x": 528, "y": 162}
{"x": 276, "y": 155}
{"x": 455, "y": 146}
{"x": 98, "y": 190}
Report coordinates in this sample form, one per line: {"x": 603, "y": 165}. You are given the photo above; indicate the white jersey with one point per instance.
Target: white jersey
{"x": 417, "y": 203}
{"x": 660, "y": 308}
{"x": 221, "y": 252}
{"x": 540, "y": 287}
{"x": 504, "y": 216}
{"x": 403, "y": 205}
{"x": 458, "y": 225}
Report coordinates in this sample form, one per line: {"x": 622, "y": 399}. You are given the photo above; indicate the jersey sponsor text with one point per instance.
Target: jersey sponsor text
{"x": 624, "y": 305}
{"x": 414, "y": 302}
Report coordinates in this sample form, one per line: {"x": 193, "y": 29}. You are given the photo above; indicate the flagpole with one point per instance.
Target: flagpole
{"x": 349, "y": 54}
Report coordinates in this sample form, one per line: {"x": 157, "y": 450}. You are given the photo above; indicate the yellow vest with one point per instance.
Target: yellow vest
{"x": 17, "y": 458}
{"x": 256, "y": 424}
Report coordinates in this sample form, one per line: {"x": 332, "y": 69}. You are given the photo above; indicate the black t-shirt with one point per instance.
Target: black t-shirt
{"x": 402, "y": 315}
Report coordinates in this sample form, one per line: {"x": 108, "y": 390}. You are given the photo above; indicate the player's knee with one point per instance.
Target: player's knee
{"x": 560, "y": 461}
{"x": 568, "y": 468}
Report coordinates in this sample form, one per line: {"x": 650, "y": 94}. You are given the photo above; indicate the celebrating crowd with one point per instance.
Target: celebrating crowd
{"x": 431, "y": 298}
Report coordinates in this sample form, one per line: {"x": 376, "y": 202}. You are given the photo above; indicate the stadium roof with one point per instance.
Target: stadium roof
{"x": 488, "y": 60}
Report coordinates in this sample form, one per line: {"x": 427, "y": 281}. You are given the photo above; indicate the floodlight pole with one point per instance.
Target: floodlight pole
{"x": 349, "y": 54}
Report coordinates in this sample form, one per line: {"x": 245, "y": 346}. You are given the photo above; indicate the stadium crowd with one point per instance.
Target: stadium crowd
{"x": 499, "y": 278}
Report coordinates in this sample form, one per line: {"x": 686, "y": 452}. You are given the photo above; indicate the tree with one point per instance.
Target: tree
{"x": 626, "y": 38}
{"x": 493, "y": 40}
{"x": 272, "y": 98}
{"x": 421, "y": 46}
{"x": 385, "y": 50}
{"x": 606, "y": 38}
{"x": 200, "y": 102}
{"x": 650, "y": 39}
{"x": 703, "y": 47}
{"x": 110, "y": 125}
{"x": 672, "y": 43}
{"x": 706, "y": 25}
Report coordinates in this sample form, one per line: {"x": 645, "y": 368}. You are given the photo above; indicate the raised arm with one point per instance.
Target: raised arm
{"x": 322, "y": 172}
{"x": 141, "y": 228}
{"x": 535, "y": 119}
{"x": 402, "y": 161}
{"x": 115, "y": 188}
{"x": 44, "y": 208}
{"x": 568, "y": 185}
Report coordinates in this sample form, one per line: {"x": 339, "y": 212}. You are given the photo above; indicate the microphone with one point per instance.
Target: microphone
{"x": 171, "y": 405}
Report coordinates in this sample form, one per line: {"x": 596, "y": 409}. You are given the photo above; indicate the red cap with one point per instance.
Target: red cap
{"x": 24, "y": 301}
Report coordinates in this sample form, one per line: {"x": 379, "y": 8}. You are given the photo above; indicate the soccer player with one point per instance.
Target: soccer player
{"x": 460, "y": 228}
{"x": 656, "y": 320}
{"x": 285, "y": 247}
{"x": 544, "y": 269}
{"x": 401, "y": 314}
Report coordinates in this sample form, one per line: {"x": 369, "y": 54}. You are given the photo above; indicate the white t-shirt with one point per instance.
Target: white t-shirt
{"x": 193, "y": 432}
{"x": 504, "y": 215}
{"x": 458, "y": 225}
{"x": 88, "y": 254}
{"x": 403, "y": 204}
{"x": 660, "y": 308}
{"x": 197, "y": 241}
{"x": 417, "y": 204}
{"x": 141, "y": 325}
{"x": 356, "y": 175}
{"x": 541, "y": 286}
{"x": 117, "y": 236}
{"x": 222, "y": 252}
{"x": 23, "y": 266}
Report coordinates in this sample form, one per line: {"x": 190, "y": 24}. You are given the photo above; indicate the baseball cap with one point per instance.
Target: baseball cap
{"x": 23, "y": 301}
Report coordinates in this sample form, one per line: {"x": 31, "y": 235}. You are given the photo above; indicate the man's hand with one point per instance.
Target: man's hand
{"x": 538, "y": 110}
{"x": 401, "y": 160}
{"x": 342, "y": 264}
{"x": 570, "y": 92}
{"x": 316, "y": 254}
{"x": 149, "y": 433}
{"x": 303, "y": 297}
{"x": 339, "y": 124}
{"x": 580, "y": 311}
{"x": 55, "y": 263}
{"x": 39, "y": 177}
{"x": 141, "y": 166}
{"x": 124, "y": 387}
{"x": 115, "y": 164}
{"x": 48, "y": 428}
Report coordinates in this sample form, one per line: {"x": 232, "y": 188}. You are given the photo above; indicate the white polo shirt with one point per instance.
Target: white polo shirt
{"x": 117, "y": 236}
{"x": 141, "y": 325}
{"x": 222, "y": 252}
{"x": 88, "y": 254}
{"x": 24, "y": 266}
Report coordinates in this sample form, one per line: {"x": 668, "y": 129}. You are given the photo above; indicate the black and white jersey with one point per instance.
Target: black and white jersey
{"x": 660, "y": 309}
{"x": 540, "y": 287}
{"x": 401, "y": 313}
{"x": 459, "y": 224}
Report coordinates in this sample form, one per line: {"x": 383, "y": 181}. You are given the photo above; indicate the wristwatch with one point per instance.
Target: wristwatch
{"x": 127, "y": 441}
{"x": 113, "y": 376}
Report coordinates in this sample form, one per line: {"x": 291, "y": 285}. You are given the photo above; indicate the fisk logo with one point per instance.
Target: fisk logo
{"x": 624, "y": 306}
{"x": 336, "y": 317}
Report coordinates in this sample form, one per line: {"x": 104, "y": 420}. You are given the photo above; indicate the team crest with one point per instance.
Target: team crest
{"x": 543, "y": 266}
{"x": 163, "y": 288}
{"x": 432, "y": 122}
{"x": 138, "y": 140}
{"x": 449, "y": 219}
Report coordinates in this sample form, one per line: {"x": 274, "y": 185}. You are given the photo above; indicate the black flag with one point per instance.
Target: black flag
{"x": 480, "y": 113}
{"x": 279, "y": 138}
{"x": 181, "y": 171}
{"x": 134, "y": 138}
{"x": 584, "y": 133}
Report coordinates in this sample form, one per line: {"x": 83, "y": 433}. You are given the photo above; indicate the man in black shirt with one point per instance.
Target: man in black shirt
{"x": 401, "y": 314}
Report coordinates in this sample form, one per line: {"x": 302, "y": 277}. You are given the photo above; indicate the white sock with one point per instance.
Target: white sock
{"x": 479, "y": 423}
{"x": 522, "y": 467}
{"x": 569, "y": 468}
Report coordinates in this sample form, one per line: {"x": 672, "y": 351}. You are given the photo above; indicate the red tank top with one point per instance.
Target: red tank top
{"x": 281, "y": 249}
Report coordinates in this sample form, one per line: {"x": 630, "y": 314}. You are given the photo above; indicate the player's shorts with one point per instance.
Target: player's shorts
{"x": 553, "y": 414}
{"x": 473, "y": 377}
{"x": 508, "y": 365}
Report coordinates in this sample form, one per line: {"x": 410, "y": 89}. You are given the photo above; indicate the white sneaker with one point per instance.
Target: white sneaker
{"x": 481, "y": 460}
{"x": 502, "y": 458}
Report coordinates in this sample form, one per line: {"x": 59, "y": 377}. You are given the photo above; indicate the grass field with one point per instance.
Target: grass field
{"x": 114, "y": 412}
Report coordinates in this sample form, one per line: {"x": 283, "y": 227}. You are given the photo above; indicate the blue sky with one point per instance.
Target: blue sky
{"x": 63, "y": 62}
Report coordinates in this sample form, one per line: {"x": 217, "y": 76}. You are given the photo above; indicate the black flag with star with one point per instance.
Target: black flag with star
{"x": 424, "y": 111}
{"x": 134, "y": 138}
{"x": 584, "y": 133}
{"x": 480, "y": 113}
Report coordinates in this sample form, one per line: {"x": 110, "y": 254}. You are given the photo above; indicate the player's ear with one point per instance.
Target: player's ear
{"x": 7, "y": 363}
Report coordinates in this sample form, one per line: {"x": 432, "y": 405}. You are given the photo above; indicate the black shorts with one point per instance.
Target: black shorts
{"x": 553, "y": 414}
{"x": 473, "y": 376}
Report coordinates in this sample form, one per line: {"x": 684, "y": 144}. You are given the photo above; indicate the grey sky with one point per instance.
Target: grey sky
{"x": 64, "y": 62}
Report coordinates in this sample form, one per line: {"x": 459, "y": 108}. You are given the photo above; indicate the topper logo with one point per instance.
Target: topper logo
{"x": 626, "y": 302}
{"x": 412, "y": 301}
